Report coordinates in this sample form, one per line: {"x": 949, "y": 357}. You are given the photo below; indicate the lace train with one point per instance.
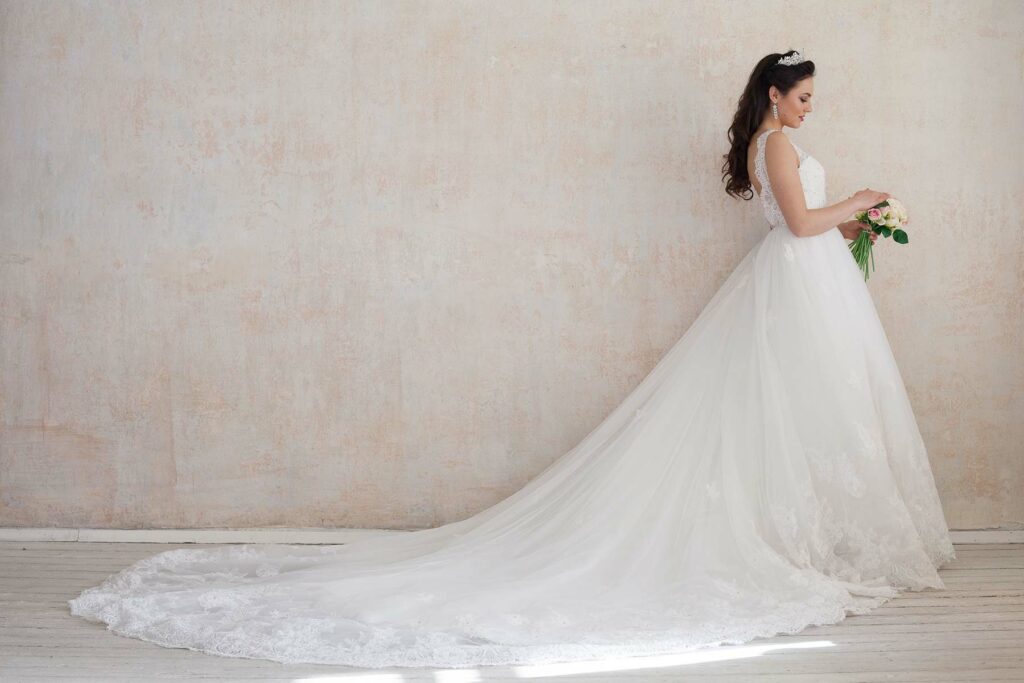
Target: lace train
{"x": 766, "y": 475}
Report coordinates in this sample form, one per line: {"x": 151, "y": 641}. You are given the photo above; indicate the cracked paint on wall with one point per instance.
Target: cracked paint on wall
{"x": 377, "y": 265}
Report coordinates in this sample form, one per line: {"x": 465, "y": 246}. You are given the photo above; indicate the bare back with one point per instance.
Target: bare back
{"x": 752, "y": 157}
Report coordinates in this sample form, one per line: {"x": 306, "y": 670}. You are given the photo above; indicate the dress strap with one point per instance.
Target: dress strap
{"x": 759, "y": 164}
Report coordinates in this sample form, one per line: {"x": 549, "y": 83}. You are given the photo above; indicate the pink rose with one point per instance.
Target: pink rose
{"x": 874, "y": 214}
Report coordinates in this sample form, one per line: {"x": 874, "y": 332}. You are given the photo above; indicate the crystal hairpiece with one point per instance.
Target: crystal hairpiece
{"x": 794, "y": 58}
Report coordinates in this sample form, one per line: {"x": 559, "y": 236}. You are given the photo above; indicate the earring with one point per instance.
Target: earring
{"x": 775, "y": 111}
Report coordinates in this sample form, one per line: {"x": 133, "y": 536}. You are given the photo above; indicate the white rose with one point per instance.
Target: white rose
{"x": 897, "y": 205}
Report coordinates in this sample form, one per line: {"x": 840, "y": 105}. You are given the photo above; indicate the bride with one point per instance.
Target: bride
{"x": 766, "y": 475}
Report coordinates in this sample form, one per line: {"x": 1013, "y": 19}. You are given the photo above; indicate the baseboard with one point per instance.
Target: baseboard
{"x": 323, "y": 536}
{"x": 269, "y": 535}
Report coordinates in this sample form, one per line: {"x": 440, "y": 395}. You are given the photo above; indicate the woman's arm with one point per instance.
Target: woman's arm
{"x": 782, "y": 163}
{"x": 824, "y": 219}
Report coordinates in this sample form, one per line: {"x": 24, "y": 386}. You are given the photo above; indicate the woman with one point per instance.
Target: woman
{"x": 766, "y": 475}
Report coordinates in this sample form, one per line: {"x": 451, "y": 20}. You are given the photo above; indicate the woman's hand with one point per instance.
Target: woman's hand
{"x": 851, "y": 229}
{"x": 866, "y": 198}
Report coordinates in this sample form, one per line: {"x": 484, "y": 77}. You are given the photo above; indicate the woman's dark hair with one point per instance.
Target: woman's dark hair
{"x": 753, "y": 104}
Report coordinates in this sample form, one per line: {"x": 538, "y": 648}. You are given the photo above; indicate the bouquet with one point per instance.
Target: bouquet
{"x": 886, "y": 219}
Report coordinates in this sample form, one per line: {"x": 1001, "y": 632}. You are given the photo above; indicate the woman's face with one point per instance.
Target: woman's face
{"x": 796, "y": 103}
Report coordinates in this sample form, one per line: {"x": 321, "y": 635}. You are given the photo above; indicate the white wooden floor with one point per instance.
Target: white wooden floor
{"x": 974, "y": 631}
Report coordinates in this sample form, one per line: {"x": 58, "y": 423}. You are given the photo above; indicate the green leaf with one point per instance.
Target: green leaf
{"x": 885, "y": 231}
{"x": 900, "y": 236}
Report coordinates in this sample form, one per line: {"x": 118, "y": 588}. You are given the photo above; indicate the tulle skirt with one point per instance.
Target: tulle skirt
{"x": 766, "y": 475}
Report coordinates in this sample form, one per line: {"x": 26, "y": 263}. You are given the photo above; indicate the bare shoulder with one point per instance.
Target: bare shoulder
{"x": 778, "y": 148}
{"x": 780, "y": 144}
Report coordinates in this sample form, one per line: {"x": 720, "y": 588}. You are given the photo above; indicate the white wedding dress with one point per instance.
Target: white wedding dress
{"x": 766, "y": 475}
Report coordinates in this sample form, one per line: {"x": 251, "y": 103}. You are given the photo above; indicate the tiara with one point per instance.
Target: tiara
{"x": 794, "y": 58}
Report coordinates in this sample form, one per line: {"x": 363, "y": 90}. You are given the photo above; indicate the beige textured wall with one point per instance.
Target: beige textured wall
{"x": 378, "y": 263}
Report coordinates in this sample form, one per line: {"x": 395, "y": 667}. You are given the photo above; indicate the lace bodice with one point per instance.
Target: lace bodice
{"x": 812, "y": 178}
